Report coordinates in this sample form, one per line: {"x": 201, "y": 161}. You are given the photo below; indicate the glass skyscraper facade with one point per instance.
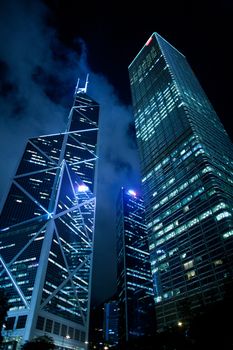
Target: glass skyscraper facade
{"x": 134, "y": 279}
{"x": 46, "y": 237}
{"x": 186, "y": 162}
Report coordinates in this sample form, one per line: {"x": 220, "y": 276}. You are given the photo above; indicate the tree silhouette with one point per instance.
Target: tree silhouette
{"x": 40, "y": 343}
{"x": 4, "y": 307}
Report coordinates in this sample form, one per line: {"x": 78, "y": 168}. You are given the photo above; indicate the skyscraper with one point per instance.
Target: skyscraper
{"x": 111, "y": 322}
{"x": 186, "y": 164}
{"x": 46, "y": 237}
{"x": 134, "y": 280}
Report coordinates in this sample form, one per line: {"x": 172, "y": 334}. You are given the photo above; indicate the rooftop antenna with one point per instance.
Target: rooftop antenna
{"x": 76, "y": 88}
{"x": 86, "y": 82}
{"x": 79, "y": 89}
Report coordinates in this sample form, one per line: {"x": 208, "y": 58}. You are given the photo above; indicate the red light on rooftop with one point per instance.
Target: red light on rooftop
{"x": 149, "y": 41}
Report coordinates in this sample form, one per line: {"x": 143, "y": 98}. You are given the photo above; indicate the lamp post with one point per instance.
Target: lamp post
{"x": 66, "y": 337}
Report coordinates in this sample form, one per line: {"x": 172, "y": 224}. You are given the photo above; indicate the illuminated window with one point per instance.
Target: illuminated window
{"x": 188, "y": 265}
{"x": 218, "y": 262}
{"x": 191, "y": 274}
{"x": 205, "y": 214}
{"x": 228, "y": 234}
{"x": 152, "y": 246}
{"x": 164, "y": 266}
{"x": 158, "y": 299}
{"x": 219, "y": 206}
{"x": 223, "y": 215}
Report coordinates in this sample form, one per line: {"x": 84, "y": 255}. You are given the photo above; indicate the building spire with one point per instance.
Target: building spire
{"x": 79, "y": 89}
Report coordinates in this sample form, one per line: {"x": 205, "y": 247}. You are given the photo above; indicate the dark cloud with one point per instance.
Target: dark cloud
{"x": 39, "y": 74}
{"x": 117, "y": 166}
{"x": 7, "y": 87}
{"x": 131, "y": 135}
{"x": 120, "y": 165}
{"x": 25, "y": 110}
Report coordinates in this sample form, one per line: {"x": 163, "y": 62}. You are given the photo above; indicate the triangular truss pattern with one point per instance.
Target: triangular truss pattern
{"x": 47, "y": 221}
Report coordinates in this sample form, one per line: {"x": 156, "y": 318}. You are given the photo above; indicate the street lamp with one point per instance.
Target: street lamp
{"x": 66, "y": 337}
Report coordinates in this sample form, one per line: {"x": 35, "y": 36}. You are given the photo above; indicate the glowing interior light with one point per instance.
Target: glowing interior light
{"x": 82, "y": 188}
{"x": 148, "y": 41}
{"x": 132, "y": 193}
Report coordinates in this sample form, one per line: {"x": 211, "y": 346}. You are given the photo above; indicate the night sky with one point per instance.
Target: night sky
{"x": 45, "y": 46}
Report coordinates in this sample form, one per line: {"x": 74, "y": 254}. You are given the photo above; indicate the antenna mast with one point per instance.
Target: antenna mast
{"x": 79, "y": 89}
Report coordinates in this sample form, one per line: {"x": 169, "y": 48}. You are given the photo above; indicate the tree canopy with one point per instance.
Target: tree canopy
{"x": 4, "y": 307}
{"x": 40, "y": 343}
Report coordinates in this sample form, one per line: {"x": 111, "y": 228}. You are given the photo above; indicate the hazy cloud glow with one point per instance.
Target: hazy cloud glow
{"x": 36, "y": 91}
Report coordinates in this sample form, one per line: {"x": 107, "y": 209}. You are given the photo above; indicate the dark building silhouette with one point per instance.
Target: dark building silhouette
{"x": 186, "y": 161}
{"x": 111, "y": 323}
{"x": 134, "y": 279}
{"x": 96, "y": 331}
{"x": 46, "y": 237}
